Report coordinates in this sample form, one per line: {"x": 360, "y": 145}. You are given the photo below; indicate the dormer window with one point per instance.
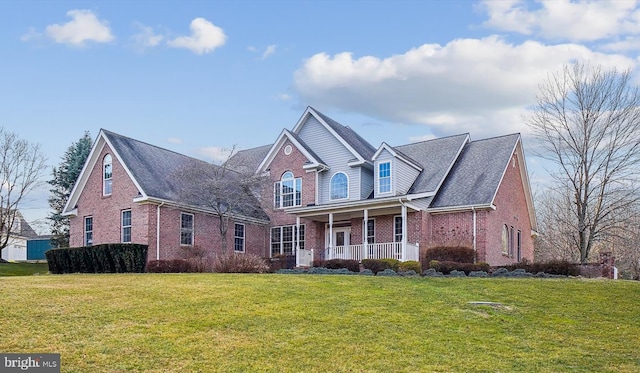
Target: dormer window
{"x": 106, "y": 175}
{"x": 384, "y": 177}
{"x": 288, "y": 191}
{"x": 339, "y": 186}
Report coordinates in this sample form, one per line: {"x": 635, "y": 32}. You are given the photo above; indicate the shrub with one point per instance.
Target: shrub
{"x": 553, "y": 267}
{"x": 374, "y": 265}
{"x": 448, "y": 267}
{"x": 170, "y": 266}
{"x": 105, "y": 258}
{"x": 239, "y": 263}
{"x": 279, "y": 262}
{"x": 410, "y": 265}
{"x": 391, "y": 263}
{"x": 459, "y": 254}
{"x": 351, "y": 265}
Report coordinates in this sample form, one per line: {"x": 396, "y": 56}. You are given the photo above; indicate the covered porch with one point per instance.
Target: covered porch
{"x": 359, "y": 230}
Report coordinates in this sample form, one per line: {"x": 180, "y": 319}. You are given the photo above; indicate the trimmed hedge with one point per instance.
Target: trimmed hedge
{"x": 459, "y": 254}
{"x": 105, "y": 258}
{"x": 553, "y": 267}
{"x": 379, "y": 265}
{"x": 410, "y": 265}
{"x": 351, "y": 265}
{"x": 448, "y": 267}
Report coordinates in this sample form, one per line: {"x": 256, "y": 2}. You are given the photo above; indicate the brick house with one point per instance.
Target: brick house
{"x": 330, "y": 194}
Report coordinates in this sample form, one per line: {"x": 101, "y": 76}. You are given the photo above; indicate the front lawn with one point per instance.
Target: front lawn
{"x": 23, "y": 269}
{"x": 275, "y": 323}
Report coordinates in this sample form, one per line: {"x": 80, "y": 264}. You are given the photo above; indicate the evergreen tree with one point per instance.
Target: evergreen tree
{"x": 64, "y": 178}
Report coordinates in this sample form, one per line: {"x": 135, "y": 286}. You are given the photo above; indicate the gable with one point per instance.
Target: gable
{"x": 286, "y": 137}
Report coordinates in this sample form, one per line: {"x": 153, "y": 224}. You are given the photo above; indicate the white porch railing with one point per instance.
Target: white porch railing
{"x": 373, "y": 251}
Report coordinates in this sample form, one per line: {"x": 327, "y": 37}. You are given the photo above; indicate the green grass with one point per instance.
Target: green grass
{"x": 275, "y": 323}
{"x": 23, "y": 269}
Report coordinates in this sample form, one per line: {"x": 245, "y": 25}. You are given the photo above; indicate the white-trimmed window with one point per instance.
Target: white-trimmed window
{"x": 107, "y": 174}
{"x": 288, "y": 191}
{"x": 283, "y": 239}
{"x": 186, "y": 229}
{"x": 397, "y": 229}
{"x": 339, "y": 186}
{"x": 238, "y": 237}
{"x": 371, "y": 231}
{"x": 384, "y": 177}
{"x": 88, "y": 230}
{"x": 126, "y": 226}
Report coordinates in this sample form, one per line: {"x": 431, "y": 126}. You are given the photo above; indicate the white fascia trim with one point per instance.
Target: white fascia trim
{"x": 310, "y": 111}
{"x": 411, "y": 197}
{"x": 444, "y": 210}
{"x": 389, "y": 148}
{"x": 315, "y": 166}
{"x": 372, "y": 203}
{"x": 278, "y": 144}
{"x": 197, "y": 209}
{"x": 72, "y": 213}
{"x": 84, "y": 174}
{"x": 126, "y": 168}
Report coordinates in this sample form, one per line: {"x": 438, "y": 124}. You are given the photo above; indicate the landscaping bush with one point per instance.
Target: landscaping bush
{"x": 105, "y": 258}
{"x": 459, "y": 254}
{"x": 379, "y": 265}
{"x": 448, "y": 267}
{"x": 279, "y": 262}
{"x": 410, "y": 265}
{"x": 351, "y": 265}
{"x": 239, "y": 263}
{"x": 170, "y": 266}
{"x": 553, "y": 267}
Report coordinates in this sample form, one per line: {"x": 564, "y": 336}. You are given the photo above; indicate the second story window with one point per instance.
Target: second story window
{"x": 339, "y": 186}
{"x": 288, "y": 191}
{"x": 107, "y": 173}
{"x": 384, "y": 177}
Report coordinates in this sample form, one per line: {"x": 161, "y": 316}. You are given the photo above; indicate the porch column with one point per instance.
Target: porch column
{"x": 404, "y": 233}
{"x": 365, "y": 234}
{"x": 297, "y": 241}
{"x": 330, "y": 234}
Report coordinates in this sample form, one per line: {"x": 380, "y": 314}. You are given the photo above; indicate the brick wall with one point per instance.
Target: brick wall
{"x": 106, "y": 212}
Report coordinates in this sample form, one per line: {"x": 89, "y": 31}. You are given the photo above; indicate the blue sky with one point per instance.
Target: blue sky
{"x": 200, "y": 76}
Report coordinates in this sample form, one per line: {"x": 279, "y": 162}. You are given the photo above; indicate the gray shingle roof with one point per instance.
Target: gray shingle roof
{"x": 157, "y": 170}
{"x": 359, "y": 144}
{"x": 476, "y": 175}
{"x": 435, "y": 157}
{"x": 248, "y": 160}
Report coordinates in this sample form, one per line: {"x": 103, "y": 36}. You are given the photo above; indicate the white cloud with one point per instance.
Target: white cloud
{"x": 564, "y": 19}
{"x": 145, "y": 37}
{"x": 215, "y": 153}
{"x": 174, "y": 140}
{"x": 468, "y": 85}
{"x": 205, "y": 37}
{"x": 84, "y": 27}
{"x": 252, "y": 49}
{"x": 271, "y": 49}
{"x": 284, "y": 97}
{"x": 31, "y": 35}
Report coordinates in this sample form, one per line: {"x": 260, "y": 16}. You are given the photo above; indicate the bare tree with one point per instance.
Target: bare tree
{"x": 22, "y": 166}
{"x": 228, "y": 193}
{"x": 556, "y": 224}
{"x": 587, "y": 121}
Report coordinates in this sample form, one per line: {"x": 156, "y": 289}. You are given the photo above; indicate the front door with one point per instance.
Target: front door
{"x": 340, "y": 240}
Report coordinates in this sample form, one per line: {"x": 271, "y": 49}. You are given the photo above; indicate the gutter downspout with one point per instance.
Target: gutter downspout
{"x": 158, "y": 230}
{"x": 475, "y": 230}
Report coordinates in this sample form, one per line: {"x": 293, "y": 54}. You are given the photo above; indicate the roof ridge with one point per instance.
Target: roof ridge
{"x": 497, "y": 137}
{"x": 434, "y": 139}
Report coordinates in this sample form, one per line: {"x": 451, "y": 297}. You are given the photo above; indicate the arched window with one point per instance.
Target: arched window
{"x": 106, "y": 175}
{"x": 339, "y": 186}
{"x": 288, "y": 191}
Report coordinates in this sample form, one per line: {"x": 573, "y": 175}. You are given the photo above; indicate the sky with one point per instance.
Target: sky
{"x": 200, "y": 77}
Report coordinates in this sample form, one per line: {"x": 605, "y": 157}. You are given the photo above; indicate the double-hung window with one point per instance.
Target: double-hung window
{"x": 186, "y": 229}
{"x": 88, "y": 231}
{"x": 126, "y": 226}
{"x": 238, "y": 237}
{"x": 283, "y": 239}
{"x": 397, "y": 229}
{"x": 384, "y": 177}
{"x": 288, "y": 191}
{"x": 371, "y": 231}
